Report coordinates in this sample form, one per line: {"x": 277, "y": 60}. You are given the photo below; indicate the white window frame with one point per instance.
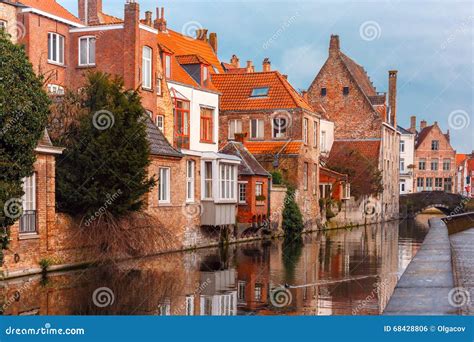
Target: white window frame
{"x": 57, "y": 47}
{"x": 402, "y": 146}
{"x": 315, "y": 134}
{"x": 243, "y": 185}
{"x": 89, "y": 40}
{"x": 160, "y": 122}
{"x": 55, "y": 89}
{"x": 282, "y": 131}
{"x": 147, "y": 68}
{"x": 305, "y": 130}
{"x": 189, "y": 305}
{"x": 258, "y": 189}
{"x": 159, "y": 85}
{"x": 28, "y": 201}
{"x": 167, "y": 66}
{"x": 402, "y": 164}
{"x": 162, "y": 199}
{"x": 208, "y": 180}
{"x": 190, "y": 180}
{"x": 227, "y": 182}
{"x": 235, "y": 127}
{"x": 259, "y": 124}
{"x": 323, "y": 141}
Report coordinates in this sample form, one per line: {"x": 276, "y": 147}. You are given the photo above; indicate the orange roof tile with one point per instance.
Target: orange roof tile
{"x": 109, "y": 19}
{"x": 185, "y": 45}
{"x": 51, "y": 7}
{"x": 236, "y": 91}
{"x": 190, "y": 59}
{"x": 274, "y": 147}
{"x": 460, "y": 158}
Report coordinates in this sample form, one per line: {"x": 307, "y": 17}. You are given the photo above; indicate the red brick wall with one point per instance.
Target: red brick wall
{"x": 247, "y": 212}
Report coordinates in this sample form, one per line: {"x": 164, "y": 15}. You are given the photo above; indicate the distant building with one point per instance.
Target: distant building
{"x": 363, "y": 115}
{"x": 435, "y": 159}
{"x": 465, "y": 174}
{"x": 407, "y": 159}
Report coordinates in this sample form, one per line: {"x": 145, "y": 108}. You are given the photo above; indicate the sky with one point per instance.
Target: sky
{"x": 430, "y": 43}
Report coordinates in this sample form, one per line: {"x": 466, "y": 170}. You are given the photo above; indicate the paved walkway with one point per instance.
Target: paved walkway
{"x": 424, "y": 288}
{"x": 462, "y": 245}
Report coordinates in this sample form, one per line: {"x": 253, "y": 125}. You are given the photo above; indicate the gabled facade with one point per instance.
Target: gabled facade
{"x": 407, "y": 158}
{"x": 435, "y": 160}
{"x": 361, "y": 114}
{"x": 282, "y": 129}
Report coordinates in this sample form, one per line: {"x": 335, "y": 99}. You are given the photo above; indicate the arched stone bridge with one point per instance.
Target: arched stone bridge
{"x": 413, "y": 204}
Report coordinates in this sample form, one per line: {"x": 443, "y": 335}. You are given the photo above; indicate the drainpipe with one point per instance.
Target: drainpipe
{"x": 86, "y": 12}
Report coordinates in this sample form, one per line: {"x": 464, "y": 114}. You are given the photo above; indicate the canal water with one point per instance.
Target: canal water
{"x": 336, "y": 272}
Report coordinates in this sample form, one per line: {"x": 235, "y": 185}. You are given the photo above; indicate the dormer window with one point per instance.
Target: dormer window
{"x": 260, "y": 92}
{"x": 167, "y": 66}
{"x": 205, "y": 74}
{"x": 345, "y": 91}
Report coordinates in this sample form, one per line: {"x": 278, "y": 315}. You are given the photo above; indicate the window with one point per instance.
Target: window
{"x": 422, "y": 164}
{"x": 324, "y": 91}
{"x": 419, "y": 184}
{"x": 446, "y": 165}
{"x": 447, "y": 185}
{"x": 205, "y": 74}
{"x": 256, "y": 129}
{"x": 315, "y": 133}
{"x": 164, "y": 185}
{"x": 55, "y": 89}
{"x": 305, "y": 176}
{"x": 28, "y": 219}
{"x": 149, "y": 113}
{"x": 208, "y": 180}
{"x": 235, "y": 127}
{"x": 438, "y": 183}
{"x": 402, "y": 145}
{"x": 323, "y": 141}
{"x": 159, "y": 83}
{"x": 435, "y": 145}
{"x": 402, "y": 164}
{"x": 242, "y": 193}
{"x": 346, "y": 191}
{"x": 160, "y": 122}
{"x": 434, "y": 165}
{"x": 279, "y": 127}
{"x": 305, "y": 131}
{"x": 3, "y": 25}
{"x": 258, "y": 189}
{"x": 345, "y": 91}
{"x": 258, "y": 292}
{"x": 147, "y": 67}
{"x": 55, "y": 48}
{"x": 207, "y": 125}
{"x": 228, "y": 181}
{"x": 189, "y": 305}
{"x": 167, "y": 66}
{"x": 190, "y": 171}
{"x": 314, "y": 179}
{"x": 260, "y": 92}
{"x": 429, "y": 184}
{"x": 241, "y": 291}
{"x": 181, "y": 115}
{"x": 86, "y": 51}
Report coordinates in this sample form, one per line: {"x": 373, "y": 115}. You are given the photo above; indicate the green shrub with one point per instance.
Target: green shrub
{"x": 277, "y": 177}
{"x": 292, "y": 217}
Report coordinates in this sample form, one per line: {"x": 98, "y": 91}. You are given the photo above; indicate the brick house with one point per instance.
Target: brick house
{"x": 464, "y": 174}
{"x": 435, "y": 159}
{"x": 282, "y": 128}
{"x": 361, "y": 114}
{"x": 254, "y": 187}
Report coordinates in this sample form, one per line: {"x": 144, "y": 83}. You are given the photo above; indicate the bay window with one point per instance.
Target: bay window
{"x": 164, "y": 185}
{"x": 147, "y": 67}
{"x": 208, "y": 180}
{"x": 190, "y": 180}
{"x": 55, "y": 48}
{"x": 87, "y": 51}
{"x": 228, "y": 180}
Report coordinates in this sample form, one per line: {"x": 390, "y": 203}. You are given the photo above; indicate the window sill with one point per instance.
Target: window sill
{"x": 57, "y": 64}
{"x": 86, "y": 66}
{"x": 242, "y": 203}
{"x": 206, "y": 142}
{"x": 33, "y": 236}
{"x": 164, "y": 204}
{"x": 150, "y": 90}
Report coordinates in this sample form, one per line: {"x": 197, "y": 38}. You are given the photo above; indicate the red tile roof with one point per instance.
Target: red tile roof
{"x": 109, "y": 19}
{"x": 236, "y": 91}
{"x": 273, "y": 147}
{"x": 185, "y": 45}
{"x": 51, "y": 7}
{"x": 461, "y": 157}
{"x": 190, "y": 59}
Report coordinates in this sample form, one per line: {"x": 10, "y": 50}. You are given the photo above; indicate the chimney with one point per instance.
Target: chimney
{"x": 131, "y": 34}
{"x": 448, "y": 136}
{"x": 201, "y": 34}
{"x": 160, "y": 21}
{"x": 392, "y": 96}
{"x": 240, "y": 137}
{"x": 413, "y": 124}
{"x": 334, "y": 46}
{"x": 235, "y": 62}
{"x": 250, "y": 67}
{"x": 89, "y": 11}
{"x": 148, "y": 18}
{"x": 422, "y": 124}
{"x": 267, "y": 65}
{"x": 213, "y": 41}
